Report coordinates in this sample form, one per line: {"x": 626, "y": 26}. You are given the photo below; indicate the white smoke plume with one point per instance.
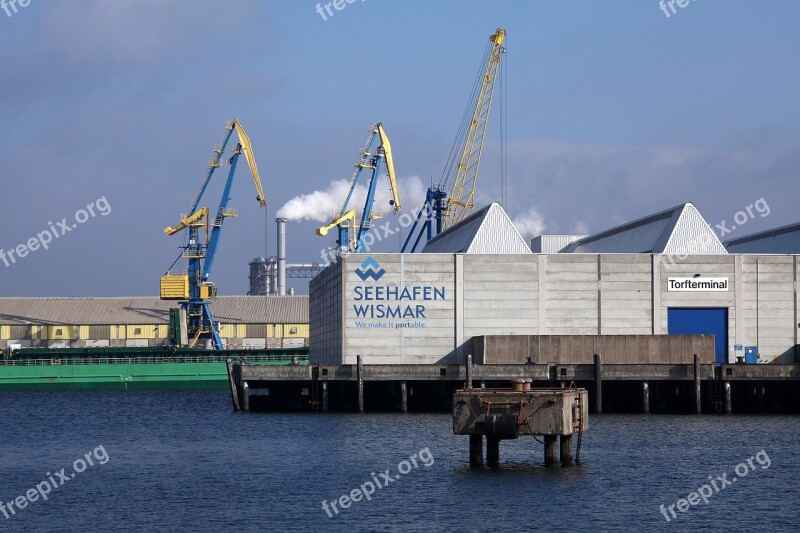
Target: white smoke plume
{"x": 322, "y": 206}
{"x": 530, "y": 224}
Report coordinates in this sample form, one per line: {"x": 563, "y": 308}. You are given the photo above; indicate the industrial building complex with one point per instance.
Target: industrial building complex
{"x": 663, "y": 274}
{"x": 55, "y": 323}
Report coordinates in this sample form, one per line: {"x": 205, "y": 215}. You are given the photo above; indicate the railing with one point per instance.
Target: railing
{"x": 255, "y": 359}
{"x": 194, "y": 253}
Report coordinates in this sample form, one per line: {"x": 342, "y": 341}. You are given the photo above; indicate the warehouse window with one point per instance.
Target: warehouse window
{"x": 292, "y": 331}
{"x": 59, "y": 332}
{"x": 137, "y": 331}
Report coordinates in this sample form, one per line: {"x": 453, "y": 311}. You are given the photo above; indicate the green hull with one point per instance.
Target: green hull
{"x": 132, "y": 368}
{"x": 116, "y": 376}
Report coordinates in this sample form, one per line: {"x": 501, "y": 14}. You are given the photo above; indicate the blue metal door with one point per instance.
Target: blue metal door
{"x": 702, "y": 320}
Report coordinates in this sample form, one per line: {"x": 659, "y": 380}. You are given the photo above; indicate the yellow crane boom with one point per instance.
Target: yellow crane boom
{"x": 349, "y": 216}
{"x": 387, "y": 152}
{"x": 461, "y": 200}
{"x": 247, "y": 148}
{"x": 185, "y": 222}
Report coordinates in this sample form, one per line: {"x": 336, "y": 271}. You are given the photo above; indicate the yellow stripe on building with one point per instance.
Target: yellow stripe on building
{"x": 63, "y": 332}
{"x": 142, "y": 331}
{"x": 295, "y": 331}
{"x": 227, "y": 331}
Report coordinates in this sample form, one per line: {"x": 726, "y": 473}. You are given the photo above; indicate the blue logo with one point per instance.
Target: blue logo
{"x": 370, "y": 269}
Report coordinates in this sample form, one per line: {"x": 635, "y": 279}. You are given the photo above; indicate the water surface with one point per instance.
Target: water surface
{"x": 185, "y": 462}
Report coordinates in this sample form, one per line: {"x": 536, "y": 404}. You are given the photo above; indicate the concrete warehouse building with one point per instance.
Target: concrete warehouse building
{"x": 663, "y": 274}
{"x": 245, "y": 321}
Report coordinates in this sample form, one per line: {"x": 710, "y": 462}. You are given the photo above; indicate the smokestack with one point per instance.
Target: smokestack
{"x": 281, "y": 256}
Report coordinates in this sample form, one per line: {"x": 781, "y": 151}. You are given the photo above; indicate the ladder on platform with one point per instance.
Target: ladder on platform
{"x": 315, "y": 388}
{"x": 577, "y": 424}
{"x": 717, "y": 395}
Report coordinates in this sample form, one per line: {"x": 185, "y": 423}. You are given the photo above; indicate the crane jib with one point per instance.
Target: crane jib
{"x": 192, "y": 286}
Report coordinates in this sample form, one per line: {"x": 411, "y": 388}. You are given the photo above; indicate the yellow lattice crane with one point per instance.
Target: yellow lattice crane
{"x": 461, "y": 200}
{"x": 442, "y": 211}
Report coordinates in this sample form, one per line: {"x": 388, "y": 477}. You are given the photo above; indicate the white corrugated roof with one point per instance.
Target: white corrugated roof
{"x": 486, "y": 231}
{"x": 681, "y": 230}
{"x": 150, "y": 310}
{"x": 783, "y": 240}
{"x": 553, "y": 244}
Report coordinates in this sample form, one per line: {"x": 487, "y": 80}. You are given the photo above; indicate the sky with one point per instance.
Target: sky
{"x": 111, "y": 109}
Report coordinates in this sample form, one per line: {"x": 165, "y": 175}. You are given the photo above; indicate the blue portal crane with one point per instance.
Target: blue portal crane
{"x": 352, "y": 233}
{"x": 193, "y": 288}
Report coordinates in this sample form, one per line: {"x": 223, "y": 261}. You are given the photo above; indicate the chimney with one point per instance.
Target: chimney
{"x": 281, "y": 256}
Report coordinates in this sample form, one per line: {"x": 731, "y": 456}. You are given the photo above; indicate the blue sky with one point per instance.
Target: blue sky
{"x": 615, "y": 111}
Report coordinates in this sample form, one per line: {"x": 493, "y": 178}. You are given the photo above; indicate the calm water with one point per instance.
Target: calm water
{"x": 184, "y": 462}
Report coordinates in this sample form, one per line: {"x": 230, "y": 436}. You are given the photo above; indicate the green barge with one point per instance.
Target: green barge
{"x": 153, "y": 368}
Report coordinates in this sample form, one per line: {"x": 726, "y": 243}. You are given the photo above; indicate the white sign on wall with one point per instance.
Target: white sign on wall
{"x": 697, "y": 284}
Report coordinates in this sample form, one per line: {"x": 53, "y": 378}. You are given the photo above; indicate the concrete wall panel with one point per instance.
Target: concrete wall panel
{"x": 556, "y": 294}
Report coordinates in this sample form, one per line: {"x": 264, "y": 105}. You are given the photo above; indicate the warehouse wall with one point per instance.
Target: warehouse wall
{"x": 325, "y": 314}
{"x": 625, "y": 294}
{"x": 412, "y": 345}
{"x": 400, "y": 345}
{"x": 73, "y": 336}
{"x": 571, "y": 295}
{"x": 580, "y": 349}
{"x": 769, "y": 306}
{"x": 484, "y": 301}
{"x": 707, "y": 266}
{"x": 552, "y": 294}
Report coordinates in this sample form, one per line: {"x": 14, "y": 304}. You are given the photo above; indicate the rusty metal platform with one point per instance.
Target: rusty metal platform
{"x": 532, "y": 412}
{"x": 502, "y": 414}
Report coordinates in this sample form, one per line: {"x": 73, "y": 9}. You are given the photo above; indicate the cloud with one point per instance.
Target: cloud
{"x": 136, "y": 32}
{"x": 530, "y": 224}
{"x": 579, "y": 228}
{"x": 588, "y": 187}
{"x": 323, "y": 205}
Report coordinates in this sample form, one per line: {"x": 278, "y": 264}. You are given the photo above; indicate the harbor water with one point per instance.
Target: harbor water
{"x": 150, "y": 461}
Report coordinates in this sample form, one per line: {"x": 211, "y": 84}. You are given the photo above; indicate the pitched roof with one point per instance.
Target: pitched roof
{"x": 782, "y": 240}
{"x": 553, "y": 244}
{"x": 149, "y": 310}
{"x": 486, "y": 231}
{"x": 680, "y": 230}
